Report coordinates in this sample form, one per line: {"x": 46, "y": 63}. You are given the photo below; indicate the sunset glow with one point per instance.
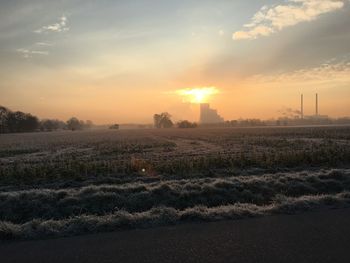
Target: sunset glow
{"x": 115, "y": 61}
{"x": 119, "y": 115}
{"x": 197, "y": 95}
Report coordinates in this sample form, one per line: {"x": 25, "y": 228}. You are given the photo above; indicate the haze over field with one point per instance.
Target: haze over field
{"x": 124, "y": 61}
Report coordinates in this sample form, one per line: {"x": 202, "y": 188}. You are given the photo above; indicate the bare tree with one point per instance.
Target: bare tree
{"x": 163, "y": 120}
{"x": 74, "y": 124}
{"x": 51, "y": 125}
{"x": 3, "y": 119}
{"x": 156, "y": 119}
{"x": 21, "y": 122}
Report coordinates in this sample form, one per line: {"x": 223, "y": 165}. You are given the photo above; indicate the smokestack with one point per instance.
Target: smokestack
{"x": 302, "y": 107}
{"x": 316, "y": 105}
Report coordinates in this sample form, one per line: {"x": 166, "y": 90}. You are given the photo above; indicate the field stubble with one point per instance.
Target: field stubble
{"x": 67, "y": 183}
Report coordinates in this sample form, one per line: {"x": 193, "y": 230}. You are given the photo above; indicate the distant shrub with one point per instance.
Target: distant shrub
{"x": 186, "y": 125}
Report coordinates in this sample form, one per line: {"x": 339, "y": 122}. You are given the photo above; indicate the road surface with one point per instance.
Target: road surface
{"x": 311, "y": 237}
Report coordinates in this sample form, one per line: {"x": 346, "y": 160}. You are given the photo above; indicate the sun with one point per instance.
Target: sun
{"x": 197, "y": 95}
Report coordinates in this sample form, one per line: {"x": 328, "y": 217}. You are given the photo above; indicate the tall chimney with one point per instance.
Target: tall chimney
{"x": 302, "y": 107}
{"x": 316, "y": 105}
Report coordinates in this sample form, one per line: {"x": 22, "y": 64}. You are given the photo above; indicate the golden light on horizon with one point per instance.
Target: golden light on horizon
{"x": 197, "y": 95}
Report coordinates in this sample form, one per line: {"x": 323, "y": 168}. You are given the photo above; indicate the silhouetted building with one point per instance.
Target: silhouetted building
{"x": 208, "y": 115}
{"x": 302, "y": 107}
{"x": 316, "y": 113}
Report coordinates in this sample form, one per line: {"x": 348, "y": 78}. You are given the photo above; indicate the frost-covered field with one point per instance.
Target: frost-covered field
{"x": 68, "y": 183}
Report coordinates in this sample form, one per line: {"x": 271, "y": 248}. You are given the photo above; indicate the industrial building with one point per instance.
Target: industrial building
{"x": 316, "y": 116}
{"x": 208, "y": 115}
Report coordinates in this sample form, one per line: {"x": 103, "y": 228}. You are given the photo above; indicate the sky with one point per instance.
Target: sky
{"x": 122, "y": 61}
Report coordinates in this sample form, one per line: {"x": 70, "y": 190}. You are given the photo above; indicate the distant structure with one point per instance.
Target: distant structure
{"x": 208, "y": 115}
{"x": 314, "y": 117}
{"x": 302, "y": 107}
{"x": 316, "y": 114}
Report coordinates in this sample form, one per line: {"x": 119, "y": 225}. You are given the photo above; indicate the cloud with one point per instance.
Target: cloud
{"x": 44, "y": 44}
{"x": 27, "y": 53}
{"x": 334, "y": 70}
{"x": 61, "y": 26}
{"x": 273, "y": 19}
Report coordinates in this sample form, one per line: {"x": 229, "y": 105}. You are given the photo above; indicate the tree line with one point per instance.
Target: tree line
{"x": 17, "y": 121}
{"x": 163, "y": 121}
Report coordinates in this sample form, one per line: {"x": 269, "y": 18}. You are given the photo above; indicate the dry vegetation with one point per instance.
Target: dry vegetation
{"x": 67, "y": 183}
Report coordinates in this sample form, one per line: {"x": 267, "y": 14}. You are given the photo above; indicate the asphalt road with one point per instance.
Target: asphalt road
{"x": 311, "y": 237}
